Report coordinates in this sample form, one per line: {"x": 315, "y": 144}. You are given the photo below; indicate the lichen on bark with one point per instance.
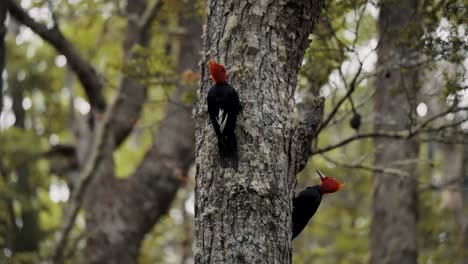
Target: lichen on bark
{"x": 244, "y": 216}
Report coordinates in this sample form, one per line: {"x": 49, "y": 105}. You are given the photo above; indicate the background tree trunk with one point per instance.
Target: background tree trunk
{"x": 454, "y": 172}
{"x": 127, "y": 209}
{"x": 244, "y": 216}
{"x": 394, "y": 209}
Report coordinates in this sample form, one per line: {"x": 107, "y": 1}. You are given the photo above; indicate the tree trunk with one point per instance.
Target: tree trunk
{"x": 244, "y": 216}
{"x": 394, "y": 208}
{"x": 121, "y": 212}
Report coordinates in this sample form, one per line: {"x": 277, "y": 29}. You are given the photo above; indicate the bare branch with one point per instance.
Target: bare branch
{"x": 361, "y": 104}
{"x": 394, "y": 135}
{"x": 85, "y": 72}
{"x": 439, "y": 115}
{"x": 404, "y": 134}
{"x": 359, "y": 166}
{"x": 351, "y": 89}
{"x": 446, "y": 126}
{"x": 392, "y": 171}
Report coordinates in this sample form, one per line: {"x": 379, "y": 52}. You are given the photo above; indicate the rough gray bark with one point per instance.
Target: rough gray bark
{"x": 394, "y": 208}
{"x": 245, "y": 216}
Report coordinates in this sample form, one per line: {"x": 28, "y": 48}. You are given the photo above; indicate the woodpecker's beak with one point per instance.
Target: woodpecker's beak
{"x": 320, "y": 174}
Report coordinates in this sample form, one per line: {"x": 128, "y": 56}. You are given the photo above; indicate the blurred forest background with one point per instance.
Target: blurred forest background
{"x": 96, "y": 102}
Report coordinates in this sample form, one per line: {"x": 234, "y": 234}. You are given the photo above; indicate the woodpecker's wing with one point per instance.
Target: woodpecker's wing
{"x": 213, "y": 110}
{"x": 304, "y": 207}
{"x": 232, "y": 109}
{"x": 223, "y": 107}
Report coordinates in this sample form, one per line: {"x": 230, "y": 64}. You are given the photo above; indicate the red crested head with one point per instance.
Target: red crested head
{"x": 217, "y": 72}
{"x": 329, "y": 184}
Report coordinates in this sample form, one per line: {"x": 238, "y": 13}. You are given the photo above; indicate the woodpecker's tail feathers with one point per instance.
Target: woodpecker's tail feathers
{"x": 227, "y": 146}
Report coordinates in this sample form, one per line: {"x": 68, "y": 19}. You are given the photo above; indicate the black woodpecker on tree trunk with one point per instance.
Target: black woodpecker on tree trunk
{"x": 305, "y": 205}
{"x": 223, "y": 107}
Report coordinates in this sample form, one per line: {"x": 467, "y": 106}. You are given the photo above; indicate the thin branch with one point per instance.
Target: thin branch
{"x": 393, "y": 135}
{"x": 448, "y": 140}
{"x": 85, "y": 72}
{"x": 361, "y": 104}
{"x": 443, "y": 127}
{"x": 359, "y": 166}
{"x": 397, "y": 172}
{"x": 405, "y": 134}
{"x": 450, "y": 110}
{"x": 351, "y": 89}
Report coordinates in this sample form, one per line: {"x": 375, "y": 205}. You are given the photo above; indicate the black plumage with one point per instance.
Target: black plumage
{"x": 304, "y": 207}
{"x": 223, "y": 107}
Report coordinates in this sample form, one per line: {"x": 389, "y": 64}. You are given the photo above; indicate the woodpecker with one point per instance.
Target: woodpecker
{"x": 308, "y": 201}
{"x": 223, "y": 107}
